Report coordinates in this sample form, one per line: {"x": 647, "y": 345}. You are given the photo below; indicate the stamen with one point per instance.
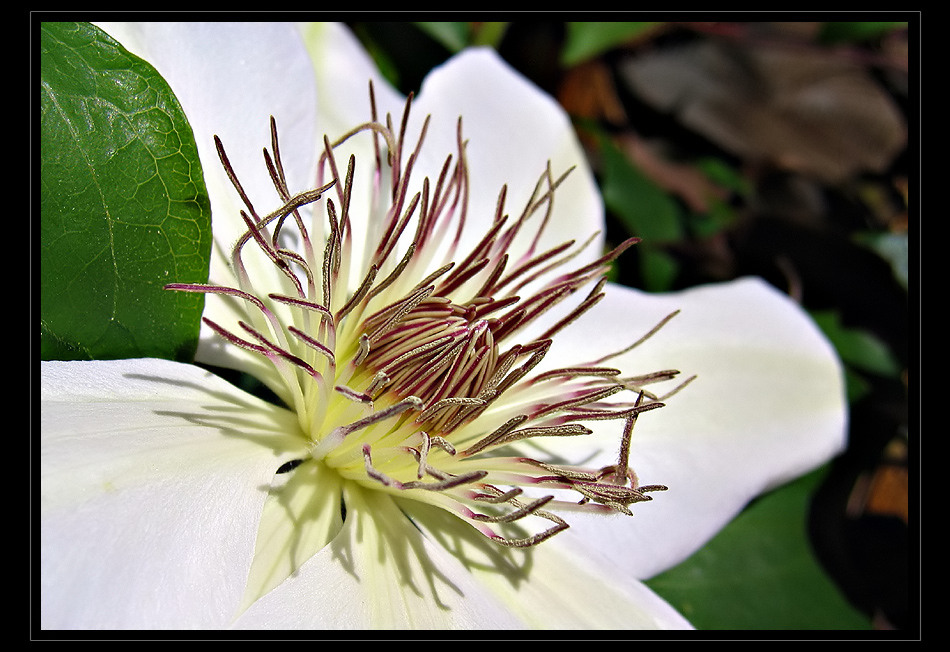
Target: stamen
{"x": 624, "y": 455}
{"x": 613, "y": 496}
{"x": 442, "y": 485}
{"x": 359, "y": 294}
{"x": 500, "y": 432}
{"x": 653, "y": 331}
{"x": 479, "y": 251}
{"x": 234, "y": 339}
{"x": 592, "y": 299}
{"x": 276, "y": 170}
{"x": 232, "y": 177}
{"x": 353, "y": 395}
{"x": 380, "y": 380}
{"x": 573, "y": 372}
{"x": 400, "y": 310}
{"x": 521, "y": 512}
{"x": 534, "y": 262}
{"x": 333, "y": 439}
{"x": 599, "y": 265}
{"x": 568, "y": 430}
{"x": 417, "y": 353}
{"x": 312, "y": 343}
{"x": 585, "y": 414}
{"x": 495, "y": 496}
{"x": 533, "y": 540}
{"x": 218, "y": 289}
{"x": 444, "y": 348}
{"x": 549, "y": 198}
{"x": 364, "y": 350}
{"x": 264, "y": 246}
{"x": 445, "y": 403}
{"x": 389, "y": 280}
{"x": 287, "y": 355}
{"x": 583, "y": 399}
{"x": 423, "y": 453}
{"x": 678, "y": 388}
{"x": 562, "y": 472}
{"x": 301, "y": 303}
{"x": 388, "y": 242}
{"x": 428, "y": 280}
{"x": 292, "y": 256}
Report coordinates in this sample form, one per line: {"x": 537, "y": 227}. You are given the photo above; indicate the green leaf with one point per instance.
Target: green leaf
{"x": 724, "y": 175}
{"x": 452, "y": 35}
{"x": 489, "y": 33}
{"x": 857, "y": 348}
{"x": 587, "y": 40}
{"x": 124, "y": 209}
{"x": 646, "y": 210}
{"x": 720, "y": 214}
{"x": 659, "y": 269}
{"x": 759, "y": 572}
{"x": 384, "y": 62}
{"x": 892, "y": 247}
{"x": 455, "y": 36}
{"x": 854, "y": 31}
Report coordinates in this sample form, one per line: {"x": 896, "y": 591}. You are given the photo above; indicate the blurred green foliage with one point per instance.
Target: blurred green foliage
{"x": 759, "y": 572}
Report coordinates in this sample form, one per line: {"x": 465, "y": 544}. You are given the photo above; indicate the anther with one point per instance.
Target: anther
{"x": 380, "y": 380}
{"x": 653, "y": 331}
{"x": 535, "y": 539}
{"x": 363, "y": 350}
{"x": 423, "y": 453}
{"x": 500, "y": 432}
{"x": 353, "y": 395}
{"x": 448, "y": 483}
{"x": 521, "y": 512}
{"x": 495, "y": 495}
{"x": 312, "y": 343}
{"x": 337, "y": 435}
{"x": 445, "y": 403}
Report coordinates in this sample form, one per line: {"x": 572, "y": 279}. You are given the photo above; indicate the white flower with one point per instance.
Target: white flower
{"x": 436, "y": 445}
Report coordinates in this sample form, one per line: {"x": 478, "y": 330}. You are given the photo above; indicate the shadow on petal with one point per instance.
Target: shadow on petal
{"x": 236, "y": 414}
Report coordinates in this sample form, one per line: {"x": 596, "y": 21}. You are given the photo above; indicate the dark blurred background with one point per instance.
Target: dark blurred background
{"x": 775, "y": 149}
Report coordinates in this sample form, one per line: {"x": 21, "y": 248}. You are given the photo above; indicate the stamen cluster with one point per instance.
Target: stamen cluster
{"x": 404, "y": 373}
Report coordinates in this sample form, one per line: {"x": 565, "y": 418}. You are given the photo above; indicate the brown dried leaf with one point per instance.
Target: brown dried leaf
{"x": 802, "y": 110}
{"x": 587, "y": 91}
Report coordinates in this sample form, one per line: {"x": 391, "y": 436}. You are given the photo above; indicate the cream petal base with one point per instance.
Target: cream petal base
{"x": 385, "y": 572}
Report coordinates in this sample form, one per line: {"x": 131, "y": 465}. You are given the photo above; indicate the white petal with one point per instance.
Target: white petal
{"x": 768, "y": 405}
{"x": 153, "y": 478}
{"x": 343, "y": 72}
{"x": 514, "y": 130}
{"x": 384, "y": 572}
{"x": 563, "y": 590}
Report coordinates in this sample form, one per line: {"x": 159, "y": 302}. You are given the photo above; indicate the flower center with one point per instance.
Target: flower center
{"x": 407, "y": 377}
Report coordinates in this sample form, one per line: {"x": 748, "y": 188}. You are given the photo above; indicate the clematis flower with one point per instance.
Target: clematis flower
{"x": 466, "y": 407}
